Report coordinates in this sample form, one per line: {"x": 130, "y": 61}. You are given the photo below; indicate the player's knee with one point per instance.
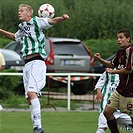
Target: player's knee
{"x": 107, "y": 114}
{"x": 31, "y": 95}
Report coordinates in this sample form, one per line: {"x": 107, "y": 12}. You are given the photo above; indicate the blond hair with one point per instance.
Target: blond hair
{"x": 28, "y": 7}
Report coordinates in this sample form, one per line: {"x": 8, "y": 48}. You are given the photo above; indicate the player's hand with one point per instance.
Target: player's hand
{"x": 97, "y": 56}
{"x": 99, "y": 96}
{"x": 108, "y": 70}
{"x": 65, "y": 17}
{"x": 98, "y": 99}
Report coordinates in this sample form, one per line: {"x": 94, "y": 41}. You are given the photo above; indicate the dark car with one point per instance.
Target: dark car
{"x": 99, "y": 67}
{"x": 12, "y": 60}
{"x": 66, "y": 55}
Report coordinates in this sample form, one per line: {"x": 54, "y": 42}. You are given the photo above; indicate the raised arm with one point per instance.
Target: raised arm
{"x": 104, "y": 62}
{"x": 119, "y": 71}
{"x": 57, "y": 20}
{"x": 9, "y": 35}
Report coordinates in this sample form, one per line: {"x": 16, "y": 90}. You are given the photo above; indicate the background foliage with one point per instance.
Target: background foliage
{"x": 8, "y": 84}
{"x": 95, "y": 22}
{"x": 88, "y": 18}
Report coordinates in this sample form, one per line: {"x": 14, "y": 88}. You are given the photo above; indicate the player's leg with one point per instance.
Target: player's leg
{"x": 111, "y": 121}
{"x": 126, "y": 106}
{"x": 102, "y": 124}
{"x": 36, "y": 71}
{"x": 25, "y": 81}
{"x": 112, "y": 105}
{"x": 124, "y": 121}
{"x": 35, "y": 108}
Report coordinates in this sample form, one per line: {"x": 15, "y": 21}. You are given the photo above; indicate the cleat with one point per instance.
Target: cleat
{"x": 38, "y": 130}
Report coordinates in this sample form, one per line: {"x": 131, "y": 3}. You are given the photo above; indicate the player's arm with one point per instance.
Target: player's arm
{"x": 57, "y": 20}
{"x": 99, "y": 86}
{"x": 2, "y": 67}
{"x": 104, "y": 62}
{"x": 119, "y": 71}
{"x": 8, "y": 34}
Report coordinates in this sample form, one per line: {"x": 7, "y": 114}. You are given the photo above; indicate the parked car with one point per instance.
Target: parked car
{"x": 66, "y": 55}
{"x": 12, "y": 60}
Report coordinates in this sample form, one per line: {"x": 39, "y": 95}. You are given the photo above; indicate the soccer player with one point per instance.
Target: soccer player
{"x": 122, "y": 97}
{"x": 2, "y": 66}
{"x": 31, "y": 36}
{"x": 105, "y": 85}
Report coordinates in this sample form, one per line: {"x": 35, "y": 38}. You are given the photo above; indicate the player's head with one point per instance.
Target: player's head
{"x": 25, "y": 12}
{"x": 126, "y": 33}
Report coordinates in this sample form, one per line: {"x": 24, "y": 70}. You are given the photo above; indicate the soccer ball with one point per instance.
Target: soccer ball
{"x": 46, "y": 10}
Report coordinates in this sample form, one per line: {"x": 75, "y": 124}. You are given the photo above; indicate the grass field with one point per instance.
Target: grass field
{"x": 53, "y": 122}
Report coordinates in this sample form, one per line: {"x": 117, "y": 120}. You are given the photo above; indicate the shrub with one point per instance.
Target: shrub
{"x": 4, "y": 42}
{"x": 105, "y": 47}
{"x": 8, "y": 84}
{"x": 88, "y": 19}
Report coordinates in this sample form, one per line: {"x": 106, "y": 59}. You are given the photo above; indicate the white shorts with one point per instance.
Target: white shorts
{"x": 34, "y": 76}
{"x": 123, "y": 120}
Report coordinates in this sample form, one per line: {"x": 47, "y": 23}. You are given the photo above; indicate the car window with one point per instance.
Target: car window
{"x": 15, "y": 46}
{"x": 11, "y": 46}
{"x": 18, "y": 48}
{"x": 69, "y": 48}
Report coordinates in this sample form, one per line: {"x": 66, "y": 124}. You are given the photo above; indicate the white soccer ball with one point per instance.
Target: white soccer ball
{"x": 46, "y": 10}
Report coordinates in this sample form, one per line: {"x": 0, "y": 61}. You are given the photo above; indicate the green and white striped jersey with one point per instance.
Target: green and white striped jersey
{"x": 31, "y": 36}
{"x": 107, "y": 83}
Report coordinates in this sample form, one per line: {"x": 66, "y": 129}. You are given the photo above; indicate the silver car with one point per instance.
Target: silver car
{"x": 12, "y": 60}
{"x": 68, "y": 55}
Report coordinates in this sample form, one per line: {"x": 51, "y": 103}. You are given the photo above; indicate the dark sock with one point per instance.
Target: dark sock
{"x": 112, "y": 124}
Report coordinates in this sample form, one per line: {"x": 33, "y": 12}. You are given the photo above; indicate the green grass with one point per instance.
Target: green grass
{"x": 53, "y": 122}
{"x": 19, "y": 101}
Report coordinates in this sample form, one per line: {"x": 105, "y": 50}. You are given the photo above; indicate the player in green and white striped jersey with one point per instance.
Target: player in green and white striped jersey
{"x": 106, "y": 84}
{"x": 32, "y": 38}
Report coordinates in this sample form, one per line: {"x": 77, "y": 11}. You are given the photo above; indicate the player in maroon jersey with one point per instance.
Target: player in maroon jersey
{"x": 122, "y": 97}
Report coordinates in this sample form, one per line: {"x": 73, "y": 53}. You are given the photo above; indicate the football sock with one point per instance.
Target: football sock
{"x": 36, "y": 112}
{"x": 31, "y": 112}
{"x": 100, "y": 131}
{"x": 112, "y": 124}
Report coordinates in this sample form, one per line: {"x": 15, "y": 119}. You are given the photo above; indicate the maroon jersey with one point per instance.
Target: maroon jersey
{"x": 124, "y": 59}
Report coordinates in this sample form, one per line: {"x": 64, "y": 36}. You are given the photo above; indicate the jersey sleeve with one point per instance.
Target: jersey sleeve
{"x": 129, "y": 60}
{"x": 18, "y": 36}
{"x": 101, "y": 81}
{"x": 43, "y": 23}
